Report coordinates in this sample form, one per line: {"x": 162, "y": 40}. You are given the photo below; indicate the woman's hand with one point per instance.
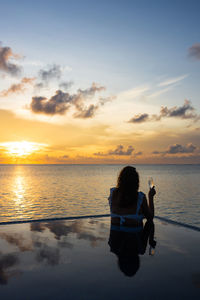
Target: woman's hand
{"x": 152, "y": 192}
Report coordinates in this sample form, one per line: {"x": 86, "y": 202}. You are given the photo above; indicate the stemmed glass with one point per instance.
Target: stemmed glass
{"x": 151, "y": 182}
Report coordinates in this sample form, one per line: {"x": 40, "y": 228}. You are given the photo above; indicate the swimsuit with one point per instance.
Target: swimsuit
{"x": 138, "y": 217}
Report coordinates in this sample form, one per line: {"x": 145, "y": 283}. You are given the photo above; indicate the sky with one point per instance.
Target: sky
{"x": 100, "y": 82}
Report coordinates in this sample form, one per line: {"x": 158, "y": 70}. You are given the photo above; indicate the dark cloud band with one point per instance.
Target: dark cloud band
{"x": 118, "y": 151}
{"x": 186, "y": 111}
{"x": 177, "y": 149}
{"x": 62, "y": 101}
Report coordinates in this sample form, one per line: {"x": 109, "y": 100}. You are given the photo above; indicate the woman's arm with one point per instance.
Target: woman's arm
{"x": 151, "y": 194}
{"x": 148, "y": 209}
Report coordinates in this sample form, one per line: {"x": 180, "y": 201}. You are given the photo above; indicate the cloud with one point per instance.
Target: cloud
{"x": 50, "y": 255}
{"x": 103, "y": 101}
{"x": 178, "y": 148}
{"x": 17, "y": 88}
{"x": 65, "y": 85}
{"x": 6, "y": 262}
{"x": 91, "y": 91}
{"x": 183, "y": 111}
{"x": 54, "y": 72}
{"x": 61, "y": 229}
{"x": 173, "y": 80}
{"x": 133, "y": 93}
{"x": 161, "y": 91}
{"x": 88, "y": 112}
{"x": 5, "y": 65}
{"x": 119, "y": 151}
{"x": 17, "y": 240}
{"x": 138, "y": 153}
{"x": 156, "y": 152}
{"x": 62, "y": 101}
{"x": 194, "y": 51}
{"x": 57, "y": 104}
{"x": 45, "y": 75}
{"x": 186, "y": 111}
{"x": 39, "y": 85}
{"x": 139, "y": 118}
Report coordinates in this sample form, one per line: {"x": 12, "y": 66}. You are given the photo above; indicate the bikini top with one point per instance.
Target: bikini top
{"x": 136, "y": 216}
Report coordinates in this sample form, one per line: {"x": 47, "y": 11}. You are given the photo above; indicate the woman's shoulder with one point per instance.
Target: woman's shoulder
{"x": 111, "y": 192}
{"x": 112, "y": 189}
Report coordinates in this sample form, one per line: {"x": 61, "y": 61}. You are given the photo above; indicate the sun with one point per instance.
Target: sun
{"x": 22, "y": 148}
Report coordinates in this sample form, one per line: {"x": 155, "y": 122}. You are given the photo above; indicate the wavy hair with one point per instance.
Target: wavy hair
{"x": 127, "y": 186}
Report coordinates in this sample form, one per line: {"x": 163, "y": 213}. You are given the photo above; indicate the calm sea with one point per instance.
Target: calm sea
{"x": 44, "y": 191}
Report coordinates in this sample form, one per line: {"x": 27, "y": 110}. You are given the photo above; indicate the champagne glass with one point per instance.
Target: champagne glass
{"x": 151, "y": 182}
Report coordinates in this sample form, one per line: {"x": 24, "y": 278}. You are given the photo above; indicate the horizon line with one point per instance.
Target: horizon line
{"x": 99, "y": 164}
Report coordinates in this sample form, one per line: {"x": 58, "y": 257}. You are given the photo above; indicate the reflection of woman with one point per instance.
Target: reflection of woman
{"x": 128, "y": 209}
{"x": 128, "y": 206}
{"x": 128, "y": 245}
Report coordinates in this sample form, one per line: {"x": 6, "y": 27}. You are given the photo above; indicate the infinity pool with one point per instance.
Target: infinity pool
{"x": 74, "y": 259}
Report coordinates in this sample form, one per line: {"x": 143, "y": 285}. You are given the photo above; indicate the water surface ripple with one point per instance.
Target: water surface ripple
{"x": 47, "y": 191}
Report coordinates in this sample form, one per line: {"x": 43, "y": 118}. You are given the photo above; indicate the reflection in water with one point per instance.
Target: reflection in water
{"x": 62, "y": 229}
{"x": 19, "y": 194}
{"x": 50, "y": 255}
{"x": 48, "y": 191}
{"x": 58, "y": 260}
{"x": 45, "y": 243}
{"x": 19, "y": 189}
{"x": 7, "y": 261}
{"x": 128, "y": 245}
{"x": 17, "y": 240}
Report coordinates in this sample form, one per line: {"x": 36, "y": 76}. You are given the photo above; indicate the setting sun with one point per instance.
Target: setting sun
{"x": 21, "y": 148}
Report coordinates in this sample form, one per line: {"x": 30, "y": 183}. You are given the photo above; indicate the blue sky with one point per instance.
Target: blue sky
{"x": 122, "y": 45}
{"x": 140, "y": 39}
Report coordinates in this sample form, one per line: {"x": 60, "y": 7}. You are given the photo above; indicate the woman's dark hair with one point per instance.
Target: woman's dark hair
{"x": 127, "y": 186}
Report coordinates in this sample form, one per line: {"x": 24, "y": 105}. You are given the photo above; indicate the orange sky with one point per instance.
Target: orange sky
{"x": 76, "y": 90}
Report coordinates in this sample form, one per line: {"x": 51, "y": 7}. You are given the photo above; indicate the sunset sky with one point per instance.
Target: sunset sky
{"x": 100, "y": 81}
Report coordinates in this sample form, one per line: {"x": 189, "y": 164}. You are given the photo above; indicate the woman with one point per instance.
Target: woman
{"x": 128, "y": 206}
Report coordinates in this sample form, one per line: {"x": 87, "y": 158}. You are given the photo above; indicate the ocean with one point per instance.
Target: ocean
{"x": 48, "y": 191}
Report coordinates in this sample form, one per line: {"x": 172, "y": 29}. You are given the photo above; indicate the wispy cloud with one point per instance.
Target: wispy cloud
{"x": 65, "y": 85}
{"x": 45, "y": 75}
{"x": 53, "y": 72}
{"x": 151, "y": 91}
{"x": 17, "y": 88}
{"x": 160, "y": 91}
{"x": 6, "y": 66}
{"x": 167, "y": 85}
{"x": 133, "y": 93}
{"x": 172, "y": 80}
{"x": 194, "y": 51}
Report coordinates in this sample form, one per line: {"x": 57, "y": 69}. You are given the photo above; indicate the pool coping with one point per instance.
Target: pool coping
{"x": 196, "y": 228}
